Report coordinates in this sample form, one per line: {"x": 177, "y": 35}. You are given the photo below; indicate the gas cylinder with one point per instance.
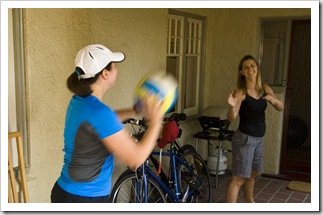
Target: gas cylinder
{"x": 212, "y": 161}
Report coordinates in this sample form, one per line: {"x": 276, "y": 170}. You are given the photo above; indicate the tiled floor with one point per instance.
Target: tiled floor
{"x": 267, "y": 190}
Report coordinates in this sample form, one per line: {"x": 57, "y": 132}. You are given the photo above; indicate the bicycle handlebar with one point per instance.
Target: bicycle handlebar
{"x": 135, "y": 121}
{"x": 177, "y": 117}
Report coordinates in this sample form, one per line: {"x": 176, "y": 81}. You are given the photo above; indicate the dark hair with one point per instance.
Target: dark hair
{"x": 241, "y": 83}
{"x": 82, "y": 87}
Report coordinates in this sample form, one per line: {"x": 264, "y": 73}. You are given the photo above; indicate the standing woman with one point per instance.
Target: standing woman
{"x": 94, "y": 133}
{"x": 249, "y": 101}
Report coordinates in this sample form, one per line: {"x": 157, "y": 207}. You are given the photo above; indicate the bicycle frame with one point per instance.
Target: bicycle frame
{"x": 183, "y": 181}
{"x": 147, "y": 171}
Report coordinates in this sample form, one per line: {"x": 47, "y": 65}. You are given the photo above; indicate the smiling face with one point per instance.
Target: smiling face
{"x": 249, "y": 68}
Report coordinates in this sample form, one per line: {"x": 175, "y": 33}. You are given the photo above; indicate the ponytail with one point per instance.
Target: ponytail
{"x": 82, "y": 87}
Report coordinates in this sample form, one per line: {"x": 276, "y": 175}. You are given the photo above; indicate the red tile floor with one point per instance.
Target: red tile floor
{"x": 267, "y": 190}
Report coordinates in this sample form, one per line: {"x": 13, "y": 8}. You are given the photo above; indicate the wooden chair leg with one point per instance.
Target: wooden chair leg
{"x": 21, "y": 167}
{"x": 10, "y": 200}
{"x": 12, "y": 176}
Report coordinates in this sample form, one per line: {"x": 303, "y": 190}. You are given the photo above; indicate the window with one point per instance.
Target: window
{"x": 274, "y": 51}
{"x": 185, "y": 59}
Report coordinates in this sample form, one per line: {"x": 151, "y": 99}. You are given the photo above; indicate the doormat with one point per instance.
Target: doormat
{"x": 300, "y": 186}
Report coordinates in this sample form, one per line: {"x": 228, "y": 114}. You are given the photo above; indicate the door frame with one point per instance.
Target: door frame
{"x": 292, "y": 169}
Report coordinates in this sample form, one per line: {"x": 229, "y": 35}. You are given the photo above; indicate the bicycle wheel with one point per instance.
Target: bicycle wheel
{"x": 197, "y": 187}
{"x": 188, "y": 147}
{"x": 128, "y": 189}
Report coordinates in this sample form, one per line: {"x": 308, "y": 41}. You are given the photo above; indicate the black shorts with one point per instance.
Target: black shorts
{"x": 59, "y": 195}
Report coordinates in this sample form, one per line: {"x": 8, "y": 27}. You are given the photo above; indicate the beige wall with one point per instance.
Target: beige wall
{"x": 53, "y": 37}
{"x": 231, "y": 34}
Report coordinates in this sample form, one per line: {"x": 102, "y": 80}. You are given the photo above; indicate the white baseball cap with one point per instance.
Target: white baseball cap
{"x": 94, "y": 58}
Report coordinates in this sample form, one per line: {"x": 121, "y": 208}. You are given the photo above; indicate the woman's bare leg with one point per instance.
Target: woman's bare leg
{"x": 248, "y": 187}
{"x": 233, "y": 189}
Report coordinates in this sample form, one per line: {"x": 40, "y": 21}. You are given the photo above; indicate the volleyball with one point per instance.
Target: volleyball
{"x": 161, "y": 84}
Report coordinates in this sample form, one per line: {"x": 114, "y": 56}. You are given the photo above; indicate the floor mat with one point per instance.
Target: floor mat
{"x": 300, "y": 186}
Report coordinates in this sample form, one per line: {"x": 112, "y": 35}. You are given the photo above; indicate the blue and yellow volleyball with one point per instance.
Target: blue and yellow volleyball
{"x": 161, "y": 84}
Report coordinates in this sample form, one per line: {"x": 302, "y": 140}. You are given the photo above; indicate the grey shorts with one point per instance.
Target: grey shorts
{"x": 247, "y": 154}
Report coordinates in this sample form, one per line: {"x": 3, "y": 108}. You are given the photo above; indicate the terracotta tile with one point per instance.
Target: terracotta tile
{"x": 240, "y": 200}
{"x": 294, "y": 201}
{"x": 298, "y": 195}
{"x": 307, "y": 200}
{"x": 284, "y": 190}
{"x": 259, "y": 200}
{"x": 266, "y": 190}
{"x": 275, "y": 200}
{"x": 264, "y": 196}
{"x": 270, "y": 190}
{"x": 222, "y": 200}
{"x": 281, "y": 196}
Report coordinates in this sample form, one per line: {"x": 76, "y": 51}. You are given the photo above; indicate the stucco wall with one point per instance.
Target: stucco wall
{"x": 231, "y": 34}
{"x": 273, "y": 138}
{"x": 53, "y": 37}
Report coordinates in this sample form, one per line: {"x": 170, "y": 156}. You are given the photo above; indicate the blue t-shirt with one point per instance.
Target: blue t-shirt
{"x": 88, "y": 165}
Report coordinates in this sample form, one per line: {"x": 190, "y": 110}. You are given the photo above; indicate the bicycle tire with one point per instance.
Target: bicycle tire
{"x": 124, "y": 190}
{"x": 188, "y": 147}
{"x": 198, "y": 192}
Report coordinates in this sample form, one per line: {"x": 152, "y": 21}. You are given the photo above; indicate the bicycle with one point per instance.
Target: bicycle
{"x": 188, "y": 178}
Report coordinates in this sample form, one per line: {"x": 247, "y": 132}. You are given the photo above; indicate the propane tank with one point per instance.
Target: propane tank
{"x": 212, "y": 161}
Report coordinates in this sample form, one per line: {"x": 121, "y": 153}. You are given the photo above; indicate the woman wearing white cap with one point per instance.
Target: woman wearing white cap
{"x": 94, "y": 133}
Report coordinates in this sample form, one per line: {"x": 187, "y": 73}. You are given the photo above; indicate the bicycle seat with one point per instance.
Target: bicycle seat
{"x": 177, "y": 117}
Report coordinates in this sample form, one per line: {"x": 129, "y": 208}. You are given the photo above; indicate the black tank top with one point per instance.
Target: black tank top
{"x": 252, "y": 116}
